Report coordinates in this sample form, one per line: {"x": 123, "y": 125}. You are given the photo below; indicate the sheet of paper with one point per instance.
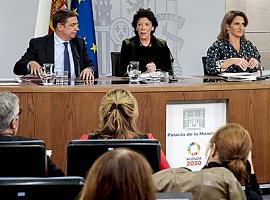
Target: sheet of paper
{"x": 10, "y": 81}
{"x": 246, "y": 76}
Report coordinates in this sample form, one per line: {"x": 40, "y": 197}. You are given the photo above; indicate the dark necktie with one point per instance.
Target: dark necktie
{"x": 66, "y": 60}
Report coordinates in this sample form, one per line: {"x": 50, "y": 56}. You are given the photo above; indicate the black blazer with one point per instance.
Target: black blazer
{"x": 132, "y": 50}
{"x": 41, "y": 50}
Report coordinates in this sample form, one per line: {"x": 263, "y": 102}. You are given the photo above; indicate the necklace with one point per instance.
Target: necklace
{"x": 149, "y": 45}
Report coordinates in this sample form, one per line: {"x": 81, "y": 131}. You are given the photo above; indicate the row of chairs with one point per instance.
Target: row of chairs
{"x": 23, "y": 165}
{"x": 68, "y": 188}
{"x": 28, "y": 158}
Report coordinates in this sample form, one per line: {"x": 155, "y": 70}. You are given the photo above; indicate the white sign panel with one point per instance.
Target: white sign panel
{"x": 189, "y": 127}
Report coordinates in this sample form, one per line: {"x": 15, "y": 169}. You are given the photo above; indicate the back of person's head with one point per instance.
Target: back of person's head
{"x": 118, "y": 114}
{"x": 120, "y": 174}
{"x": 233, "y": 144}
{"x": 227, "y": 20}
{"x": 147, "y": 13}
{"x": 61, "y": 16}
{"x": 9, "y": 108}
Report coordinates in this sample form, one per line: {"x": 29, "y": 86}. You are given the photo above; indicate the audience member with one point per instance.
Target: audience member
{"x": 229, "y": 161}
{"x": 9, "y": 123}
{"x": 232, "y": 52}
{"x": 151, "y": 52}
{"x": 52, "y": 48}
{"x": 120, "y": 174}
{"x": 118, "y": 113}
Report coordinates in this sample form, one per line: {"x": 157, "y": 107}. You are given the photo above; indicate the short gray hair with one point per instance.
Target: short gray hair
{"x": 9, "y": 108}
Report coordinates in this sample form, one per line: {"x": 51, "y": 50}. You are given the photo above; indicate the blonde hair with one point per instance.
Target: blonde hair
{"x": 118, "y": 113}
{"x": 119, "y": 175}
{"x": 233, "y": 144}
{"x": 227, "y": 20}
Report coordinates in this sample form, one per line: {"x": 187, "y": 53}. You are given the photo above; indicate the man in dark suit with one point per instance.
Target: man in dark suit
{"x": 9, "y": 123}
{"x": 51, "y": 49}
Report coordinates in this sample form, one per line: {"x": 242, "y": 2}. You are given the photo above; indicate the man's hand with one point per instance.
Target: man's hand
{"x": 87, "y": 74}
{"x": 35, "y": 68}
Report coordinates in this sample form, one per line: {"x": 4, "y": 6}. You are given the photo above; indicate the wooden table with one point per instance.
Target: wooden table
{"x": 58, "y": 114}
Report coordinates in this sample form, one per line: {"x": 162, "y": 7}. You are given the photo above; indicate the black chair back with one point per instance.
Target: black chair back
{"x": 81, "y": 154}
{"x": 204, "y": 66}
{"x": 23, "y": 188}
{"x": 115, "y": 61}
{"x": 22, "y": 158}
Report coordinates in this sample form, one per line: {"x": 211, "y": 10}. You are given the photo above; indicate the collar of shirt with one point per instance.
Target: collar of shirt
{"x": 59, "y": 55}
{"x": 58, "y": 40}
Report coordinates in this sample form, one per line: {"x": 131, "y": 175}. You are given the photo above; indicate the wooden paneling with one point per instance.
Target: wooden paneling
{"x": 59, "y": 114}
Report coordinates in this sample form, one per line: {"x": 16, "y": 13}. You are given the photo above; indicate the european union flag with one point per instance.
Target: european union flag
{"x": 86, "y": 26}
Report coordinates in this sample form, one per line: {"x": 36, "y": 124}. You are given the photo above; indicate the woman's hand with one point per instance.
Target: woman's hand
{"x": 249, "y": 158}
{"x": 151, "y": 67}
{"x": 241, "y": 62}
{"x": 252, "y": 63}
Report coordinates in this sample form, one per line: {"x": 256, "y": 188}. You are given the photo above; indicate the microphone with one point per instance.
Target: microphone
{"x": 172, "y": 77}
{"x": 171, "y": 56}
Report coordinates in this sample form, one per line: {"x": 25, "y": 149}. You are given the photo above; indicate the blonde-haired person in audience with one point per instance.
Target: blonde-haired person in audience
{"x": 229, "y": 161}
{"x": 120, "y": 174}
{"x": 118, "y": 114}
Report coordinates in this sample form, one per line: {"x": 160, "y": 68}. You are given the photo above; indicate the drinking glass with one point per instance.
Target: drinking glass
{"x": 133, "y": 71}
{"x": 156, "y": 75}
{"x": 47, "y": 74}
{"x": 61, "y": 78}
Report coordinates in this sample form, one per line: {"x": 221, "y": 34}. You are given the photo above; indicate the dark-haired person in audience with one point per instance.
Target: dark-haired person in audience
{"x": 229, "y": 161}
{"x": 120, "y": 174}
{"x": 232, "y": 52}
{"x": 9, "y": 123}
{"x": 118, "y": 113}
{"x": 50, "y": 49}
{"x": 151, "y": 52}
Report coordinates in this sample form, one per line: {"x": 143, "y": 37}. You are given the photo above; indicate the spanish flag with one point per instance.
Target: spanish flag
{"x": 56, "y": 5}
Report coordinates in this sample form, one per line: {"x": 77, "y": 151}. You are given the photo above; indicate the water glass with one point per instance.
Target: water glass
{"x": 47, "y": 74}
{"x": 133, "y": 71}
{"x": 164, "y": 76}
{"x": 61, "y": 78}
{"x": 156, "y": 75}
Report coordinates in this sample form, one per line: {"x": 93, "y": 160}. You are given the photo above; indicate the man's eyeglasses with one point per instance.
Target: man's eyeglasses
{"x": 20, "y": 112}
{"x": 72, "y": 25}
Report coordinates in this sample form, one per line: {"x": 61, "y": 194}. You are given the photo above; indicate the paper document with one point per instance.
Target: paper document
{"x": 10, "y": 81}
{"x": 245, "y": 76}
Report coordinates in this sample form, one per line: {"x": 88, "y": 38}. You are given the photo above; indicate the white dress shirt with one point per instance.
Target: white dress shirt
{"x": 59, "y": 48}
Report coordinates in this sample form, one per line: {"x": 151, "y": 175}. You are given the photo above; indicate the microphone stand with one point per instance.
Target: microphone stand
{"x": 262, "y": 77}
{"x": 172, "y": 77}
